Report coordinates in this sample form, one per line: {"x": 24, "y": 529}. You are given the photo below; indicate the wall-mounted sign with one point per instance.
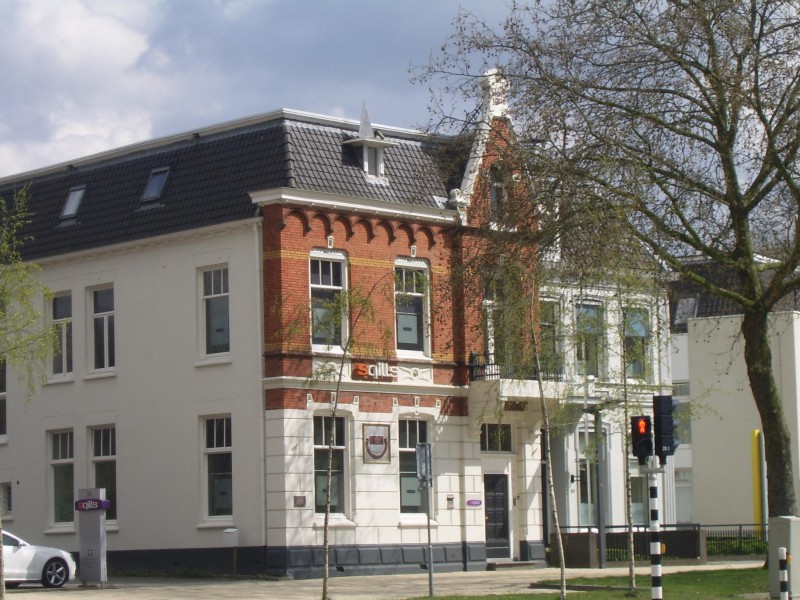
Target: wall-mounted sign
{"x": 379, "y": 371}
{"x": 87, "y": 504}
{"x": 376, "y": 444}
{"x": 474, "y": 503}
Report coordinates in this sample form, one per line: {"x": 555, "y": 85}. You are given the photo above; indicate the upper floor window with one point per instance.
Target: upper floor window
{"x": 73, "y": 202}
{"x": 216, "y": 311}
{"x": 329, "y": 434}
{"x": 412, "y": 432}
{"x": 637, "y": 335}
{"x": 495, "y": 437}
{"x": 61, "y": 316}
{"x": 328, "y": 316}
{"x": 589, "y": 338}
{"x": 155, "y": 185}
{"x": 411, "y": 304}
{"x": 548, "y": 334}
{"x": 103, "y": 328}
{"x": 219, "y": 466}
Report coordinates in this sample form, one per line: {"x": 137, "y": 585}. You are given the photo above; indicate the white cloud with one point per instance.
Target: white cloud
{"x": 81, "y": 87}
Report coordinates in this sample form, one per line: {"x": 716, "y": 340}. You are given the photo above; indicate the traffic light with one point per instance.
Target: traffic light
{"x": 664, "y": 426}
{"x": 641, "y": 438}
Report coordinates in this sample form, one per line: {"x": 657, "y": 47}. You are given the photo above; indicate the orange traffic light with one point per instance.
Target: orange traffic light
{"x": 641, "y": 438}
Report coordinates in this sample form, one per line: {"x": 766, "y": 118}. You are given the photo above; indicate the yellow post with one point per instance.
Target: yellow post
{"x": 758, "y": 492}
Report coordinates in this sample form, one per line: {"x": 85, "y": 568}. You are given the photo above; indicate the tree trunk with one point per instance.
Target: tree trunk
{"x": 781, "y": 500}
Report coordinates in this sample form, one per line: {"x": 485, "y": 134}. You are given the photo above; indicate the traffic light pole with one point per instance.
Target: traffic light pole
{"x": 655, "y": 532}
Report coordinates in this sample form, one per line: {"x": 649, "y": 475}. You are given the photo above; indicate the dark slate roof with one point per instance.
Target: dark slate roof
{"x": 211, "y": 174}
{"x": 707, "y": 304}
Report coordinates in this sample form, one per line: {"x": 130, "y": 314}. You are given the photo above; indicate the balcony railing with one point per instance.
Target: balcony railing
{"x": 483, "y": 370}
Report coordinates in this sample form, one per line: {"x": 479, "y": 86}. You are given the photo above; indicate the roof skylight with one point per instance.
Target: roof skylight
{"x": 73, "y": 202}
{"x": 155, "y": 185}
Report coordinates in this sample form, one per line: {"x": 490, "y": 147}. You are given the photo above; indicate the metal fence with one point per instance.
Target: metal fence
{"x": 735, "y": 540}
{"x": 482, "y": 369}
{"x": 682, "y": 541}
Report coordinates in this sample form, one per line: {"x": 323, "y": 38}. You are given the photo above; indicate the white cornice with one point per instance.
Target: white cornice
{"x": 280, "y": 383}
{"x": 365, "y": 206}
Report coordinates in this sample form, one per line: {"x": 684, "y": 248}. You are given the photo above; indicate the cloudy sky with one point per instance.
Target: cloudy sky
{"x": 81, "y": 76}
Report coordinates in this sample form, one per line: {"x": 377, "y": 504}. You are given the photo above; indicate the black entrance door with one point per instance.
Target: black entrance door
{"x": 495, "y": 494}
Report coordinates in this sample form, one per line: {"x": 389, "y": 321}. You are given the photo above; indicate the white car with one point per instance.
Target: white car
{"x": 25, "y": 563}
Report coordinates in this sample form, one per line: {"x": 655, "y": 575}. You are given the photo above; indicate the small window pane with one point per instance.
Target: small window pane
{"x": 104, "y": 300}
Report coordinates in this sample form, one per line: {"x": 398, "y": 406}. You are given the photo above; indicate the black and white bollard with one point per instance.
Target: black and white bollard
{"x": 783, "y": 574}
{"x": 655, "y": 539}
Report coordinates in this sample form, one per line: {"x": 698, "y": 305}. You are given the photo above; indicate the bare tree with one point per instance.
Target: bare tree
{"x": 681, "y": 117}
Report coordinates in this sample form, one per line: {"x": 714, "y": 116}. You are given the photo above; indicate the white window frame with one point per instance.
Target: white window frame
{"x": 107, "y": 318}
{"x": 61, "y": 367}
{"x": 407, "y": 264}
{"x": 104, "y": 454}
{"x": 646, "y": 342}
{"x": 340, "y": 446}
{"x": 220, "y": 288}
{"x": 407, "y": 446}
{"x": 330, "y": 256}
{"x": 494, "y": 431}
{"x": 61, "y": 453}
{"x": 221, "y": 444}
{"x": 373, "y": 161}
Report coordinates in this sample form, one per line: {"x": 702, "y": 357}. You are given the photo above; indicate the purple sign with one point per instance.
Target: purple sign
{"x": 473, "y": 502}
{"x": 87, "y": 504}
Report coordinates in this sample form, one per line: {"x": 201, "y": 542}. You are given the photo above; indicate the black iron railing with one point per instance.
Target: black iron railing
{"x": 482, "y": 369}
{"x": 686, "y": 541}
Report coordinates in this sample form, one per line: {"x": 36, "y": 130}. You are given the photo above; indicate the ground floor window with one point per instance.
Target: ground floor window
{"x": 329, "y": 434}
{"x": 62, "y": 476}
{"x": 411, "y": 433}
{"x": 219, "y": 466}
{"x": 104, "y": 461}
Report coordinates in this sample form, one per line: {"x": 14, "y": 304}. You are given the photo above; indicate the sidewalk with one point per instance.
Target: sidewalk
{"x": 389, "y": 587}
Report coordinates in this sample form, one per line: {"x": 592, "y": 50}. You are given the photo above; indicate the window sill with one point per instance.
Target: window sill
{"x": 3, "y": 442}
{"x": 413, "y": 355}
{"x": 376, "y": 179}
{"x": 335, "y": 521}
{"x": 100, "y": 375}
{"x": 67, "y": 528}
{"x": 415, "y": 521}
{"x": 223, "y": 523}
{"x": 327, "y": 350}
{"x": 221, "y": 359}
{"x": 56, "y": 379}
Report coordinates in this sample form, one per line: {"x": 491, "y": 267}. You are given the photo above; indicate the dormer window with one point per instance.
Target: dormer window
{"x": 155, "y": 185}
{"x": 372, "y": 145}
{"x": 73, "y": 202}
{"x": 374, "y": 164}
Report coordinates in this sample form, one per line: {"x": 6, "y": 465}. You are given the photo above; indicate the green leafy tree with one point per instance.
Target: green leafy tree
{"x": 25, "y": 343}
{"x": 683, "y": 117}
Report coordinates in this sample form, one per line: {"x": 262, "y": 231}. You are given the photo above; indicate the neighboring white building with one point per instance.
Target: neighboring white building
{"x": 726, "y": 461}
